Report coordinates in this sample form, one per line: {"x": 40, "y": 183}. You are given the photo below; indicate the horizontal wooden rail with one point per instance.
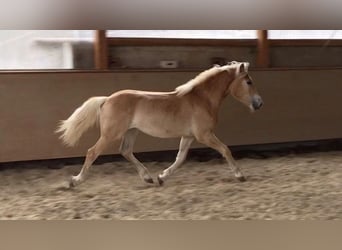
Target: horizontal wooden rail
{"x": 153, "y": 70}
{"x": 219, "y": 42}
{"x": 305, "y": 42}
{"x": 180, "y": 42}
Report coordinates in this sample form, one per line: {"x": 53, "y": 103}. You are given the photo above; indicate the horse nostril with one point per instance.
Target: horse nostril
{"x": 257, "y": 104}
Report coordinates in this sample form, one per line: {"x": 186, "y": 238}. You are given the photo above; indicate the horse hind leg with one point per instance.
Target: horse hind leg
{"x": 126, "y": 149}
{"x": 92, "y": 154}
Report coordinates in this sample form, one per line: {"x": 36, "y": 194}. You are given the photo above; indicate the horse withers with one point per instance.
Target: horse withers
{"x": 189, "y": 112}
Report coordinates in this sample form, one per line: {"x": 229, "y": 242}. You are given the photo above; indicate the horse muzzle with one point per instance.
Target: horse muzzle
{"x": 257, "y": 102}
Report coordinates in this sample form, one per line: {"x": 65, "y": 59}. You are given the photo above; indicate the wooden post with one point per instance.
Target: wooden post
{"x": 101, "y": 50}
{"x": 263, "y": 56}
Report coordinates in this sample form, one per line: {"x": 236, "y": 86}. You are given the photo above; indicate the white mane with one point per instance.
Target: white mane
{"x": 205, "y": 75}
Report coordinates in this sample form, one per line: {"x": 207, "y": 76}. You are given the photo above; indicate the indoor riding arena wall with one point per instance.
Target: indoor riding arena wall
{"x": 299, "y": 105}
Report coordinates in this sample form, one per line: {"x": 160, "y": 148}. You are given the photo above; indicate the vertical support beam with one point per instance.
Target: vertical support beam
{"x": 263, "y": 56}
{"x": 101, "y": 50}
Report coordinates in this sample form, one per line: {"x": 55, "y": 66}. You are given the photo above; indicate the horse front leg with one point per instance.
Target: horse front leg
{"x": 184, "y": 146}
{"x": 212, "y": 141}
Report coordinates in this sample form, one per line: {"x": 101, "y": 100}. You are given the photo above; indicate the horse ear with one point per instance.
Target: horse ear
{"x": 242, "y": 68}
{"x": 246, "y": 66}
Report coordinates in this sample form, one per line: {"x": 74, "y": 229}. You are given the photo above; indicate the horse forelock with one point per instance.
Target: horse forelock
{"x": 202, "y": 78}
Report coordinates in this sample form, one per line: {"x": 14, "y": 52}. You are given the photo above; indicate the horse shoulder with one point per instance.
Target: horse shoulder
{"x": 202, "y": 110}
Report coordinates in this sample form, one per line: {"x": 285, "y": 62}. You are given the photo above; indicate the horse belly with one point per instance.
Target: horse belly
{"x": 161, "y": 126}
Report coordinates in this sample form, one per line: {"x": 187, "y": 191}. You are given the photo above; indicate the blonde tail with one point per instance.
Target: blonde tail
{"x": 81, "y": 120}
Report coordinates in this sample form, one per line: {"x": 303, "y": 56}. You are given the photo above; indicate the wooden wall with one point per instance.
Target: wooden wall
{"x": 298, "y": 105}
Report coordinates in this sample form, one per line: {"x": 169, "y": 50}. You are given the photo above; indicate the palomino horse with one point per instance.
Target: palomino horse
{"x": 189, "y": 112}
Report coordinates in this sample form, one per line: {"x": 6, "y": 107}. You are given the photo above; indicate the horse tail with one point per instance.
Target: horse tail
{"x": 81, "y": 120}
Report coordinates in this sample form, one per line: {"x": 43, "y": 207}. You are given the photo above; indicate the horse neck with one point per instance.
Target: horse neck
{"x": 215, "y": 90}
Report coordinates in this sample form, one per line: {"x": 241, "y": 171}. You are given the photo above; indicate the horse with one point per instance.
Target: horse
{"x": 188, "y": 112}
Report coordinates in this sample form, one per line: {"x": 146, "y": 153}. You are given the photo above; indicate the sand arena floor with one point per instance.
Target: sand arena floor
{"x": 293, "y": 186}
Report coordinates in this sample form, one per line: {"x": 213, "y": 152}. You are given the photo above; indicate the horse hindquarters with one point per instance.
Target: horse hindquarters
{"x": 113, "y": 123}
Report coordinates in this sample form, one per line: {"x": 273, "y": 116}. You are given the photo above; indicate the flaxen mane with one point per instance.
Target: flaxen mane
{"x": 200, "y": 79}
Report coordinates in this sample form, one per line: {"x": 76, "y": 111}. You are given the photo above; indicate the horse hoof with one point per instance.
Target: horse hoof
{"x": 242, "y": 179}
{"x": 149, "y": 180}
{"x": 160, "y": 181}
{"x": 72, "y": 183}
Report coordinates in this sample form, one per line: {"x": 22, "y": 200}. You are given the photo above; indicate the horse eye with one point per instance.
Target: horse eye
{"x": 249, "y": 82}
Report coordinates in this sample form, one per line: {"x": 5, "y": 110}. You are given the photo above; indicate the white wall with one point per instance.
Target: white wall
{"x": 38, "y": 49}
